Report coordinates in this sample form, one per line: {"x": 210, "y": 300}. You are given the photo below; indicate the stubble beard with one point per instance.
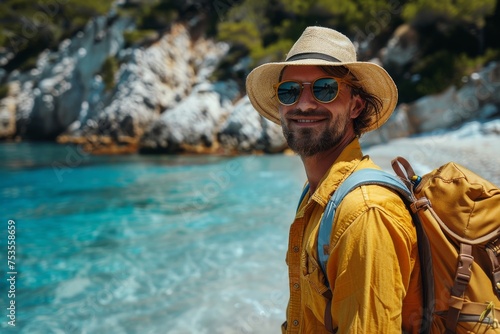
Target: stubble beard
{"x": 306, "y": 142}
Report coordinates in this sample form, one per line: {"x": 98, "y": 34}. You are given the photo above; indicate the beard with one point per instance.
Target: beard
{"x": 307, "y": 142}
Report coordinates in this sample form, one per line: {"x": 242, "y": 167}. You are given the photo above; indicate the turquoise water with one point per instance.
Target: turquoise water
{"x": 145, "y": 244}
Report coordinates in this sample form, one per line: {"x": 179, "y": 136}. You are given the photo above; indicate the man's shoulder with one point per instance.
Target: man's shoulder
{"x": 372, "y": 204}
{"x": 373, "y": 196}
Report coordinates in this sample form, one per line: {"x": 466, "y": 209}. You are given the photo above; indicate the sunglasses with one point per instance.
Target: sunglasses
{"x": 324, "y": 90}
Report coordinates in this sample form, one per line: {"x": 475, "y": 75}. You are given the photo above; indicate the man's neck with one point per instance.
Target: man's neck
{"x": 317, "y": 165}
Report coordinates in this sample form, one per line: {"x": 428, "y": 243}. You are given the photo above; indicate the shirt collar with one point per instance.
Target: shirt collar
{"x": 345, "y": 164}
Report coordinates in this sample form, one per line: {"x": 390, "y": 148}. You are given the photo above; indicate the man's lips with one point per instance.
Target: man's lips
{"x": 306, "y": 121}
{"x": 307, "y": 117}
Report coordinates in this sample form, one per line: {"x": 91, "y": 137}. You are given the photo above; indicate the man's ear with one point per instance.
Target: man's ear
{"x": 357, "y": 106}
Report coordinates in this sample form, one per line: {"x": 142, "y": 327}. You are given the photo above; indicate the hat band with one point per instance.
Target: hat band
{"x": 313, "y": 55}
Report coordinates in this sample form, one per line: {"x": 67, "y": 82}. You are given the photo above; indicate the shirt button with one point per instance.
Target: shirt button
{"x": 295, "y": 322}
{"x": 296, "y": 249}
{"x": 296, "y": 286}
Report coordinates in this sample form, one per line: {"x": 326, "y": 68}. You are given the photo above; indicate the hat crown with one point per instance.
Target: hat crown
{"x": 324, "y": 41}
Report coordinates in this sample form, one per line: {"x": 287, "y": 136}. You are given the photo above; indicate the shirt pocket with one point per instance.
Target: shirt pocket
{"x": 313, "y": 285}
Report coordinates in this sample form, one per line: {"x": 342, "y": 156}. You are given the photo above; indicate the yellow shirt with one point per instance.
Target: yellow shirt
{"x": 373, "y": 267}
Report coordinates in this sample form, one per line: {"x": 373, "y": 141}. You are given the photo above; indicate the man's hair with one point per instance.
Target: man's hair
{"x": 373, "y": 103}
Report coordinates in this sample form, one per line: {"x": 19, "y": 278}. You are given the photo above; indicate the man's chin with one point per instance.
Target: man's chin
{"x": 307, "y": 145}
{"x": 306, "y": 148}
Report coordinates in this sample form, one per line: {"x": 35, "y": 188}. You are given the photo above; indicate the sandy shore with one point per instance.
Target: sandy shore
{"x": 479, "y": 153}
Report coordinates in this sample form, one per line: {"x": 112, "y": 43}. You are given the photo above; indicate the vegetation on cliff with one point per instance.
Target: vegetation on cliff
{"x": 29, "y": 27}
{"x": 458, "y": 36}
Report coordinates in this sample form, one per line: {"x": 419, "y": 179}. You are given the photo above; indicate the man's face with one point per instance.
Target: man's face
{"x": 310, "y": 126}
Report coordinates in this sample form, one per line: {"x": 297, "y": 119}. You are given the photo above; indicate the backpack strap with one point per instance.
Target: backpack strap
{"x": 304, "y": 192}
{"x": 378, "y": 177}
{"x": 493, "y": 250}
{"x": 462, "y": 279}
{"x": 356, "y": 179}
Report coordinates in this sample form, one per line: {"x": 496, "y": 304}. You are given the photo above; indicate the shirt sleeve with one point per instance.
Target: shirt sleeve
{"x": 369, "y": 271}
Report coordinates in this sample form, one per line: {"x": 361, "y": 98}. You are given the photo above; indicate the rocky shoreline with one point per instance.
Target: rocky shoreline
{"x": 164, "y": 101}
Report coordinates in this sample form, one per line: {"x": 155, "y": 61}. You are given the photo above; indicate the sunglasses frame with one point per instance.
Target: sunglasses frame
{"x": 311, "y": 84}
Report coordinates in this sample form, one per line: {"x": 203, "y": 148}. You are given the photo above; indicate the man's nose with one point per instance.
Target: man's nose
{"x": 306, "y": 99}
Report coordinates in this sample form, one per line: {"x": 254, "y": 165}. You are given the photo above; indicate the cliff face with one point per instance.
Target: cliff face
{"x": 49, "y": 98}
{"x": 478, "y": 99}
{"x": 162, "y": 99}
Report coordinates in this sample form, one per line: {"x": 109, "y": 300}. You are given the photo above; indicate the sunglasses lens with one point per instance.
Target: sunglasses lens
{"x": 288, "y": 92}
{"x": 326, "y": 89}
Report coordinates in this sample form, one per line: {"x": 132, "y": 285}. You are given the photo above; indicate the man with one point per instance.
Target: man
{"x": 325, "y": 100}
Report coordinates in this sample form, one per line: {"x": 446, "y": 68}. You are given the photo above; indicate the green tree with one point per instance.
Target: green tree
{"x": 108, "y": 72}
{"x": 474, "y": 12}
{"x": 29, "y": 27}
{"x": 452, "y": 44}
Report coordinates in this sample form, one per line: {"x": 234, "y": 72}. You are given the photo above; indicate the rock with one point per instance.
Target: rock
{"x": 191, "y": 125}
{"x": 53, "y": 92}
{"x": 246, "y": 131}
{"x": 488, "y": 111}
{"x": 432, "y": 112}
{"x": 397, "y": 126}
{"x": 401, "y": 49}
{"x": 491, "y": 128}
{"x": 453, "y": 107}
{"x": 8, "y": 113}
{"x": 151, "y": 81}
{"x": 478, "y": 99}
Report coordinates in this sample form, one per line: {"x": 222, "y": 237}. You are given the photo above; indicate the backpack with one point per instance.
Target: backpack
{"x": 457, "y": 218}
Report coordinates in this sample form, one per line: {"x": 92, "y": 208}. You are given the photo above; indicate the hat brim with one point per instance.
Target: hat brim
{"x": 373, "y": 79}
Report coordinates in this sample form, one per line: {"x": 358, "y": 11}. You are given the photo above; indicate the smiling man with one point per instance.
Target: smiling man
{"x": 325, "y": 99}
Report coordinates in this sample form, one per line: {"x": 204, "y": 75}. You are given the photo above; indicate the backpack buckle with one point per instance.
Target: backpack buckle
{"x": 463, "y": 274}
{"x": 464, "y": 268}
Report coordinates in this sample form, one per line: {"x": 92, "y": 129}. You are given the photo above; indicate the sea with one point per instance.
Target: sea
{"x": 165, "y": 243}
{"x": 143, "y": 243}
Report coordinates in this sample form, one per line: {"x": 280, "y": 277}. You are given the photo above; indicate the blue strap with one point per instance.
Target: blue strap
{"x": 356, "y": 179}
{"x": 304, "y": 192}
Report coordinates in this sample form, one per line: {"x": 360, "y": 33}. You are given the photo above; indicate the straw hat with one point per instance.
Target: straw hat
{"x": 322, "y": 46}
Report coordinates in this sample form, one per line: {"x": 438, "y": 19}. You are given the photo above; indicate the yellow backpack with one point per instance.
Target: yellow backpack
{"x": 460, "y": 215}
{"x": 457, "y": 218}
